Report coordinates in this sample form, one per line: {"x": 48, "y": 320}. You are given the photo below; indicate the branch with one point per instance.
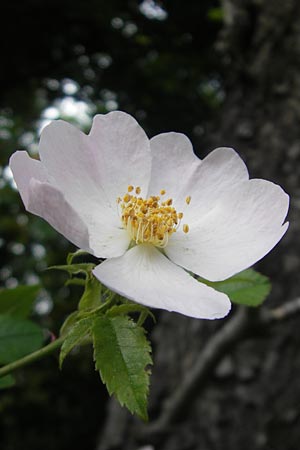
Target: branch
{"x": 175, "y": 407}
{"x": 236, "y": 329}
{"x": 282, "y": 312}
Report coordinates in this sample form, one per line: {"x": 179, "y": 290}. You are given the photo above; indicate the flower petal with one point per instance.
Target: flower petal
{"x": 172, "y": 159}
{"x": 112, "y": 241}
{"x": 24, "y": 169}
{"x": 67, "y": 156}
{"x": 93, "y": 171}
{"x": 222, "y": 170}
{"x": 241, "y": 228}
{"x": 202, "y": 180}
{"x": 121, "y": 153}
{"x": 48, "y": 202}
{"x": 146, "y": 276}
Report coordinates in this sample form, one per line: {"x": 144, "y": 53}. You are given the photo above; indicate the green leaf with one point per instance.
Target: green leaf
{"x": 76, "y": 336}
{"x": 122, "y": 354}
{"x": 18, "y": 337}
{"x": 91, "y": 297}
{"x": 7, "y": 381}
{"x": 18, "y": 301}
{"x": 248, "y": 288}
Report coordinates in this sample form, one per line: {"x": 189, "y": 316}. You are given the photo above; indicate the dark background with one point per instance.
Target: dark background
{"x": 224, "y": 73}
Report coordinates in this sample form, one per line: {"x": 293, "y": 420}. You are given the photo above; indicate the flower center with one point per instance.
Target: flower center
{"x": 150, "y": 220}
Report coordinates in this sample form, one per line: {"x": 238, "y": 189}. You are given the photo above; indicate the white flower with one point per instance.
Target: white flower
{"x": 152, "y": 209}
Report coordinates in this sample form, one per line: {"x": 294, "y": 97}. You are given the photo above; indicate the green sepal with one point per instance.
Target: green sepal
{"x": 249, "y": 288}
{"x": 74, "y": 255}
{"x": 75, "y": 269}
{"x": 122, "y": 355}
{"x": 91, "y": 297}
{"x": 78, "y": 334}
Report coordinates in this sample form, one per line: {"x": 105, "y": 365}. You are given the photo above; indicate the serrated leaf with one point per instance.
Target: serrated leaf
{"x": 249, "y": 288}
{"x": 18, "y": 337}
{"x": 122, "y": 354}
{"x": 7, "y": 381}
{"x": 91, "y": 297}
{"x": 77, "y": 335}
{"x": 18, "y": 301}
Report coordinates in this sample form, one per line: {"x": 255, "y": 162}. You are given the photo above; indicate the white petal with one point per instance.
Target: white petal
{"x": 46, "y": 201}
{"x": 106, "y": 240}
{"x": 49, "y": 203}
{"x": 24, "y": 169}
{"x": 184, "y": 174}
{"x": 241, "y": 228}
{"x": 146, "y": 276}
{"x": 173, "y": 164}
{"x": 68, "y": 158}
{"x": 222, "y": 170}
{"x": 121, "y": 153}
{"x": 92, "y": 171}
{"x": 111, "y": 242}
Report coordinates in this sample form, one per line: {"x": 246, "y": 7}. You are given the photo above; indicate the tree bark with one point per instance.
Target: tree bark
{"x": 249, "y": 396}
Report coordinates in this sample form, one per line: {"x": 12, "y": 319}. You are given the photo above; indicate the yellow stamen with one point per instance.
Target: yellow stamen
{"x": 126, "y": 198}
{"x": 185, "y": 228}
{"x": 147, "y": 219}
{"x": 188, "y": 199}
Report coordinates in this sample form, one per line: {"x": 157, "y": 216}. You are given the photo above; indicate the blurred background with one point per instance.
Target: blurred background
{"x": 226, "y": 73}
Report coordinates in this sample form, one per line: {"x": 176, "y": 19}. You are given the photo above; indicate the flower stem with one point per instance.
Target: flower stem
{"x": 31, "y": 357}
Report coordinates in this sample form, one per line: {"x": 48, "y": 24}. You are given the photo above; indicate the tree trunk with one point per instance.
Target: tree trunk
{"x": 245, "y": 391}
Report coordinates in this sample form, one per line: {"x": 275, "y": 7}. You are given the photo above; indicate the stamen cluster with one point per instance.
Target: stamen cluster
{"x": 149, "y": 220}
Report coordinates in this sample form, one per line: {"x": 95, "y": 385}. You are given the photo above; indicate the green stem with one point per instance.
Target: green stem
{"x": 32, "y": 357}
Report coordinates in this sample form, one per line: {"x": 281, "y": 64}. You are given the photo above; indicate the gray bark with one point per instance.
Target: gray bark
{"x": 249, "y": 394}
